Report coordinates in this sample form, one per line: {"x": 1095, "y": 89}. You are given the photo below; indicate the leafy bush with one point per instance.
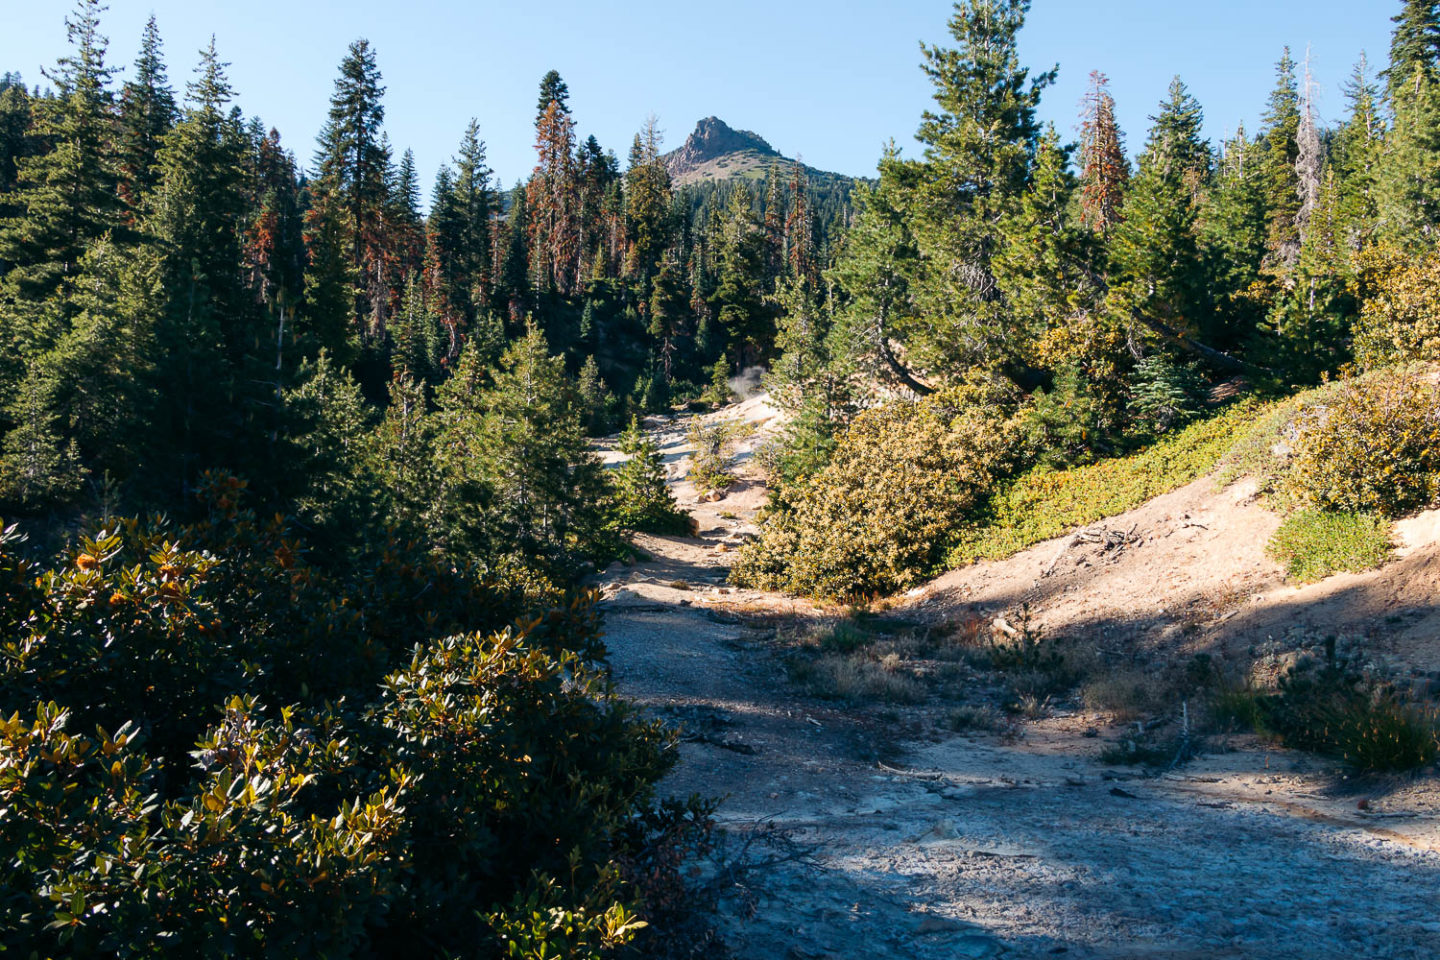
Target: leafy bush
{"x": 1400, "y": 320}
{"x": 1374, "y": 448}
{"x": 643, "y": 500}
{"x": 878, "y": 517}
{"x": 1315, "y": 544}
{"x": 1043, "y": 503}
{"x": 215, "y": 745}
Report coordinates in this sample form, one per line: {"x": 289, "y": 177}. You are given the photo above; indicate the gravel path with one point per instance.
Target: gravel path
{"x": 950, "y": 847}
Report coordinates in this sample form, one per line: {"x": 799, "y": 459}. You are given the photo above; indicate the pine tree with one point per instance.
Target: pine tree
{"x": 213, "y": 342}
{"x": 875, "y": 271}
{"x": 147, "y": 112}
{"x": 474, "y": 203}
{"x": 1408, "y": 177}
{"x": 799, "y": 227}
{"x": 647, "y": 203}
{"x": 407, "y": 460}
{"x": 39, "y": 467}
{"x": 552, "y": 90}
{"x": 513, "y": 254}
{"x": 406, "y": 225}
{"x": 352, "y": 167}
{"x": 104, "y": 367}
{"x": 1105, "y": 170}
{"x": 330, "y": 449}
{"x": 741, "y": 305}
{"x": 1044, "y": 268}
{"x": 643, "y": 501}
{"x": 1408, "y": 188}
{"x": 67, "y": 196}
{"x": 1356, "y": 157}
{"x": 552, "y": 205}
{"x": 548, "y": 502}
{"x": 1280, "y": 152}
{"x": 979, "y": 144}
{"x": 595, "y": 397}
{"x": 1414, "y": 50}
{"x": 415, "y": 336}
{"x": 275, "y": 241}
{"x": 668, "y": 313}
{"x": 1311, "y": 320}
{"x": 1233, "y": 232}
{"x": 1155, "y": 251}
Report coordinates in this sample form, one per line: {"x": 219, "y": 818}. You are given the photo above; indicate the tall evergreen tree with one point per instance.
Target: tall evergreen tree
{"x": 147, "y": 112}
{"x": 552, "y": 204}
{"x": 552, "y": 90}
{"x": 475, "y": 202}
{"x": 351, "y": 176}
{"x": 67, "y": 196}
{"x": 1280, "y": 151}
{"x": 1104, "y": 168}
{"x": 1155, "y": 251}
{"x": 212, "y": 339}
{"x": 1233, "y": 230}
{"x": 1408, "y": 188}
{"x": 1414, "y": 49}
{"x": 1356, "y": 155}
{"x": 979, "y": 144}
{"x": 647, "y": 203}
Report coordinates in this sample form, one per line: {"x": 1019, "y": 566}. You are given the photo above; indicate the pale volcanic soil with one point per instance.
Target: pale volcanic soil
{"x": 907, "y": 840}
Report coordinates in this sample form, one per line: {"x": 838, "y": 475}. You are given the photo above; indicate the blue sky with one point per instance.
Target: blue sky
{"x": 829, "y": 82}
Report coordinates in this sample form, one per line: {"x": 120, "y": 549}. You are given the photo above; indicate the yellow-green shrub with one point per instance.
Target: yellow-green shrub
{"x": 880, "y": 515}
{"x": 1315, "y": 544}
{"x": 1046, "y": 503}
{"x": 1400, "y": 320}
{"x": 1374, "y": 448}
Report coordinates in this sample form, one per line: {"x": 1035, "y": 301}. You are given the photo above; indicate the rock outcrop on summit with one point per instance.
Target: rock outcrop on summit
{"x": 716, "y": 151}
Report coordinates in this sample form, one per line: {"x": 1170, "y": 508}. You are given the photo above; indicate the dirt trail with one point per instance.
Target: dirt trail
{"x": 924, "y": 844}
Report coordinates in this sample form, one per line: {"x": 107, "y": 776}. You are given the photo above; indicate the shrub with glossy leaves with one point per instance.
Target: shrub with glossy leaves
{"x": 212, "y": 745}
{"x": 1374, "y": 448}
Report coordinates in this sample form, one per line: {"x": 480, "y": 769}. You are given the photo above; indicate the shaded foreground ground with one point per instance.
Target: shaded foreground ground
{"x": 917, "y": 842}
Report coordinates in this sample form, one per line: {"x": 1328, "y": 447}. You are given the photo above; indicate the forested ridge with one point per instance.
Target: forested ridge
{"x": 299, "y": 463}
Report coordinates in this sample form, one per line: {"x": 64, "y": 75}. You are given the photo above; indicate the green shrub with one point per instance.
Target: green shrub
{"x": 1164, "y": 395}
{"x": 714, "y": 445}
{"x": 643, "y": 501}
{"x": 214, "y": 744}
{"x": 1334, "y": 707}
{"x": 901, "y": 480}
{"x": 1315, "y": 544}
{"x": 1374, "y": 448}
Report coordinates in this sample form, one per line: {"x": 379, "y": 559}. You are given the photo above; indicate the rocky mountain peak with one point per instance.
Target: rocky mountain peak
{"x": 712, "y": 139}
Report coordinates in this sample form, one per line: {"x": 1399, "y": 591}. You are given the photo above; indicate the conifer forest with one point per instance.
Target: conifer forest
{"x": 315, "y": 481}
